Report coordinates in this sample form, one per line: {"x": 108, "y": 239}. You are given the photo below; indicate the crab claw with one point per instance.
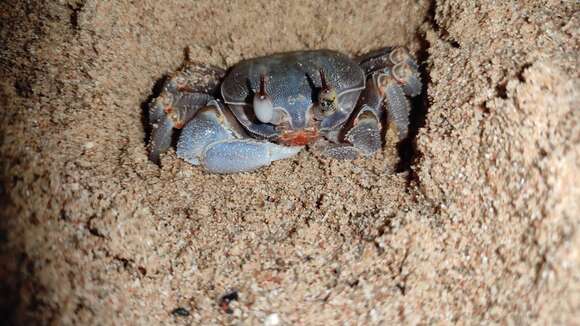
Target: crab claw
{"x": 213, "y": 141}
{"x": 183, "y": 94}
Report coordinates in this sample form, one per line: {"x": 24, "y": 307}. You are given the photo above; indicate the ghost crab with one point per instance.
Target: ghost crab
{"x": 271, "y": 107}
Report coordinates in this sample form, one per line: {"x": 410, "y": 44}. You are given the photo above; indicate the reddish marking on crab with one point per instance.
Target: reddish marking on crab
{"x": 168, "y": 109}
{"x": 299, "y": 138}
{"x": 184, "y": 88}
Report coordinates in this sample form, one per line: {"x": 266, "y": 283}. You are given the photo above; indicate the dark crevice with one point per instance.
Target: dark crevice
{"x": 76, "y": 9}
{"x": 453, "y": 43}
{"x": 226, "y": 299}
{"x": 501, "y": 90}
{"x": 155, "y": 92}
{"x": 501, "y": 87}
{"x": 93, "y": 229}
{"x": 441, "y": 31}
{"x": 23, "y": 88}
{"x": 520, "y": 74}
{"x": 408, "y": 152}
{"x": 484, "y": 108}
{"x": 430, "y": 17}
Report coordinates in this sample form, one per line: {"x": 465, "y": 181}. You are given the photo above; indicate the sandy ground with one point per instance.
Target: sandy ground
{"x": 478, "y": 224}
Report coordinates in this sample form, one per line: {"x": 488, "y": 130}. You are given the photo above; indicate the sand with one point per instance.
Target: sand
{"x": 477, "y": 224}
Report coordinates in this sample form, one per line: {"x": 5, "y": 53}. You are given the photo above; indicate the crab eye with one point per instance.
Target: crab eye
{"x": 263, "y": 106}
{"x": 327, "y": 101}
{"x": 327, "y": 96}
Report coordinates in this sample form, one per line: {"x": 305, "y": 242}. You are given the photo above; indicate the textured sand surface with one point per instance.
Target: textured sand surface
{"x": 478, "y": 224}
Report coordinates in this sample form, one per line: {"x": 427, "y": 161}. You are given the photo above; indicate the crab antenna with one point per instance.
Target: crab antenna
{"x": 323, "y": 79}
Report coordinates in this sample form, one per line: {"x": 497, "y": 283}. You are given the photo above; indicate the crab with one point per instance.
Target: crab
{"x": 269, "y": 108}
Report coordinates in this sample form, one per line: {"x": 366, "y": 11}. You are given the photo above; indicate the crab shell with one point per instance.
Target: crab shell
{"x": 293, "y": 82}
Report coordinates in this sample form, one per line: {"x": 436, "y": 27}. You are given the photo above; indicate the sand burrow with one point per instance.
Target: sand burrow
{"x": 479, "y": 224}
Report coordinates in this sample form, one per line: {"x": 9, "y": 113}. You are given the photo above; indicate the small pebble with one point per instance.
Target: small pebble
{"x": 226, "y": 299}
{"x": 88, "y": 145}
{"x": 182, "y": 312}
{"x": 272, "y": 320}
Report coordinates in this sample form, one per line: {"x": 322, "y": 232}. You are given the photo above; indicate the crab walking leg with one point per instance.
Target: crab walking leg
{"x": 392, "y": 75}
{"x": 375, "y": 60}
{"x": 408, "y": 76}
{"x": 406, "y": 71}
{"x": 396, "y": 62}
{"x": 388, "y": 57}
{"x": 363, "y": 133}
{"x": 160, "y": 139}
{"x": 397, "y": 105}
{"x": 395, "y": 74}
{"x": 183, "y": 94}
{"x": 215, "y": 141}
{"x": 364, "y": 137}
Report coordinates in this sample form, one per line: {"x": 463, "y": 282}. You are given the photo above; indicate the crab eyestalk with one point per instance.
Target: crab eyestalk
{"x": 327, "y": 96}
{"x": 263, "y": 106}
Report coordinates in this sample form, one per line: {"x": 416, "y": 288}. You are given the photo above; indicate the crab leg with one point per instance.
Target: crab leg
{"x": 365, "y": 137}
{"x": 397, "y": 105}
{"x": 214, "y": 139}
{"x": 406, "y": 71}
{"x": 183, "y": 94}
{"x": 392, "y": 75}
{"x": 363, "y": 133}
{"x": 173, "y": 115}
{"x": 375, "y": 60}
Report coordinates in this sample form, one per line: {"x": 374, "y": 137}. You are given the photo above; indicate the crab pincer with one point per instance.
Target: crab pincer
{"x": 182, "y": 95}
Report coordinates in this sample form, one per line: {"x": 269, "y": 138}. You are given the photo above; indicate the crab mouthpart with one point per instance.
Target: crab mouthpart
{"x": 299, "y": 137}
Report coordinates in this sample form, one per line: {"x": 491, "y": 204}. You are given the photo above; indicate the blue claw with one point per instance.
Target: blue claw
{"x": 209, "y": 140}
{"x": 203, "y": 130}
{"x": 243, "y": 155}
